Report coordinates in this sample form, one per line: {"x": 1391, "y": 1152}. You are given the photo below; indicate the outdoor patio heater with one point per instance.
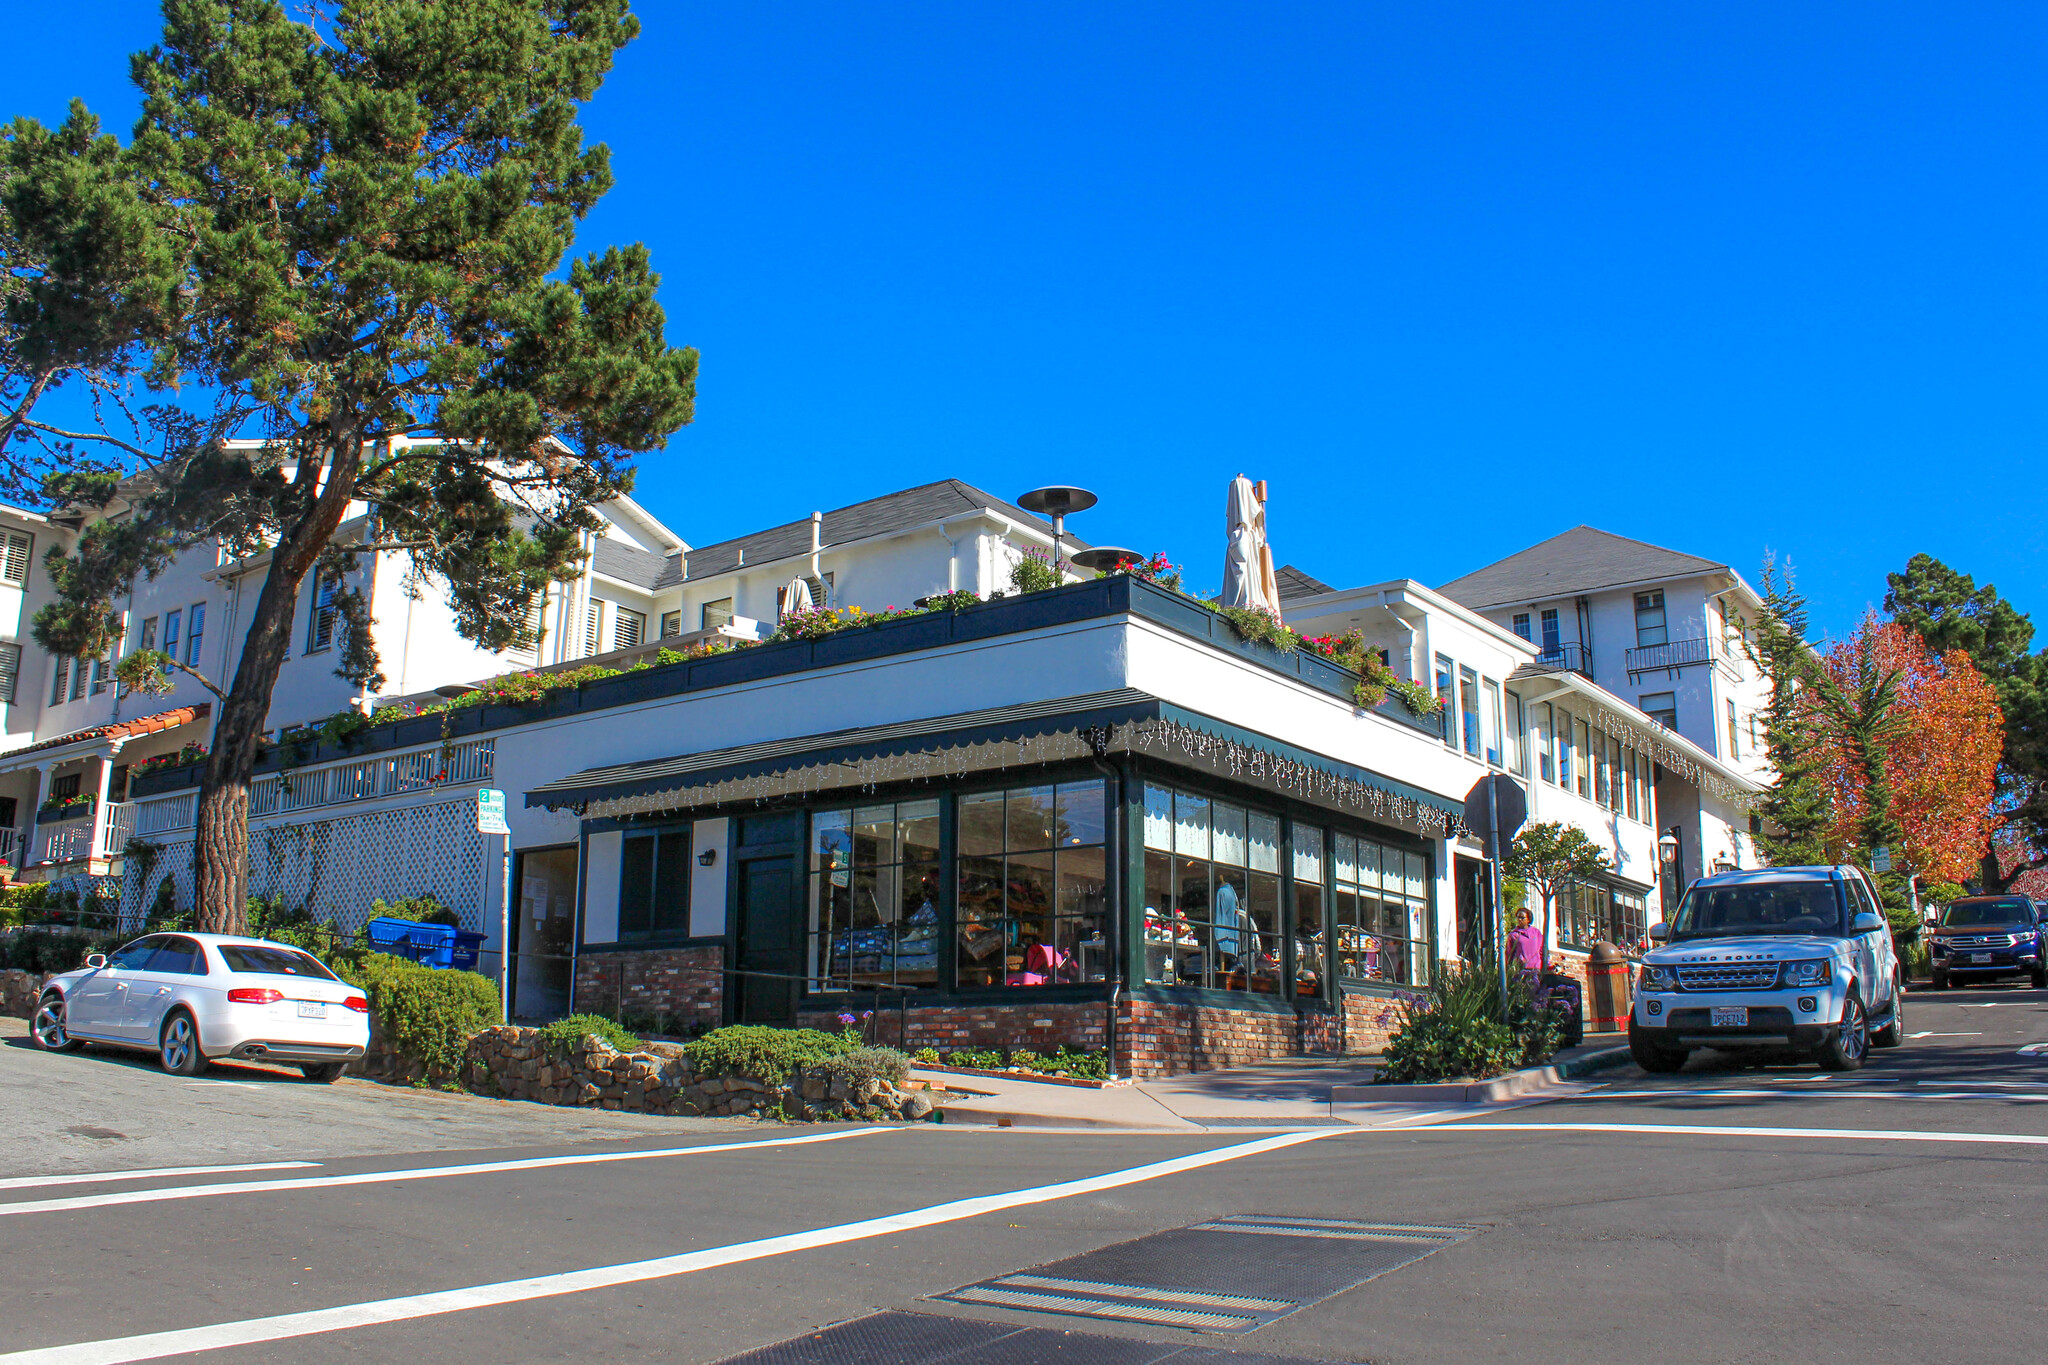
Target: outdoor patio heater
{"x": 1058, "y": 502}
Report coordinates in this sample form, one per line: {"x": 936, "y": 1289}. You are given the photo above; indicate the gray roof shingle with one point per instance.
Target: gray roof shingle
{"x": 629, "y": 564}
{"x": 1295, "y": 585}
{"x": 1580, "y": 560}
{"x": 877, "y": 516}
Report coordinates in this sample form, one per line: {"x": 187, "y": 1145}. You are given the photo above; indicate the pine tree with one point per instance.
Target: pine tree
{"x": 1794, "y": 810}
{"x": 336, "y": 233}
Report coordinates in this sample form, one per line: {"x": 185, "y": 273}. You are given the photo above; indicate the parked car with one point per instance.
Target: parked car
{"x": 1984, "y": 938}
{"x": 1785, "y": 957}
{"x": 191, "y": 998}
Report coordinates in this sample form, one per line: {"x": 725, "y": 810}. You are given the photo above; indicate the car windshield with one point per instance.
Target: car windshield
{"x": 2008, "y": 911}
{"x": 1801, "y": 907}
{"x": 251, "y": 957}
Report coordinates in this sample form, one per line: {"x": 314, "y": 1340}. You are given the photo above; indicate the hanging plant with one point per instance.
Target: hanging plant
{"x": 1419, "y": 700}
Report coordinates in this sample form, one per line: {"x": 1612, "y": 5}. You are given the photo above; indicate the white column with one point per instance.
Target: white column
{"x": 99, "y": 807}
{"x": 35, "y": 820}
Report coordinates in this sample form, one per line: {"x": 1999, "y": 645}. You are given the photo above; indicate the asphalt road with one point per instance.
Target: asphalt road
{"x": 1723, "y": 1214}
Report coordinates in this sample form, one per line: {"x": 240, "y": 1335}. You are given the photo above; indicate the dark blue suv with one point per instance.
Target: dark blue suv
{"x": 1984, "y": 938}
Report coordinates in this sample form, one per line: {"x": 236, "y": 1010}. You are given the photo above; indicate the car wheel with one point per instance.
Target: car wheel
{"x": 1652, "y": 1058}
{"x": 178, "y": 1046}
{"x": 48, "y": 1029}
{"x": 1893, "y": 1033}
{"x": 322, "y": 1073}
{"x": 1941, "y": 981}
{"x": 2039, "y": 979}
{"x": 1846, "y": 1050}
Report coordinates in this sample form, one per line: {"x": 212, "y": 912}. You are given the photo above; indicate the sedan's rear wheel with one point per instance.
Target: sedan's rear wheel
{"x": 178, "y": 1046}
{"x": 322, "y": 1073}
{"x": 48, "y": 1028}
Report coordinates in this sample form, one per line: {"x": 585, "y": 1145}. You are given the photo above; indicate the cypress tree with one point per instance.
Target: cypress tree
{"x": 1794, "y": 809}
{"x": 332, "y": 234}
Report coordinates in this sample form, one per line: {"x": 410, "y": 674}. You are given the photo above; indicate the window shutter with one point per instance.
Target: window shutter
{"x": 14, "y": 563}
{"x": 627, "y": 629}
{"x": 63, "y": 680}
{"x": 10, "y": 669}
{"x": 593, "y": 628}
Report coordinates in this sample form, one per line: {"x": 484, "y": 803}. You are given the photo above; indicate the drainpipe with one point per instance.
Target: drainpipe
{"x": 952, "y": 558}
{"x": 817, "y": 543}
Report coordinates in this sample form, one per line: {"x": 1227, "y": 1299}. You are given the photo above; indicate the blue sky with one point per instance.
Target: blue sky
{"x": 1452, "y": 278}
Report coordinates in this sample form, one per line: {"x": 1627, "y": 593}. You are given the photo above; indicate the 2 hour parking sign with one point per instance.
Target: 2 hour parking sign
{"x": 490, "y": 812}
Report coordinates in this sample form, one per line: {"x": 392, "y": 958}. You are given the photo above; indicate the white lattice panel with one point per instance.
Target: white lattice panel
{"x": 336, "y": 867}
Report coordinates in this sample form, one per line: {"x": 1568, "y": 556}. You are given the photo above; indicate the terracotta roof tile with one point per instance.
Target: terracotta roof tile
{"x": 127, "y": 729}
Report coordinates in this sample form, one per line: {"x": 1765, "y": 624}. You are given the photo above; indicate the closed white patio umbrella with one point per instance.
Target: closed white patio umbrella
{"x": 796, "y": 597}
{"x": 1247, "y": 559}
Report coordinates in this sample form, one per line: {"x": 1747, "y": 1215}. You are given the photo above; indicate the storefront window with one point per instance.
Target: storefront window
{"x": 1588, "y": 914}
{"x": 1309, "y": 942}
{"x": 654, "y": 883}
{"x": 1382, "y": 912}
{"x": 1033, "y": 887}
{"x": 874, "y": 893}
{"x": 1212, "y": 893}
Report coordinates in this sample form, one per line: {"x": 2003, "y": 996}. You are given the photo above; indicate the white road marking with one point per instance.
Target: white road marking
{"x": 1926, "y": 1034}
{"x": 1815, "y": 1094}
{"x": 1716, "y": 1130}
{"x": 223, "y": 1336}
{"x": 30, "y": 1182}
{"x": 1995, "y": 1004}
{"x": 1982, "y": 1085}
{"x": 95, "y": 1201}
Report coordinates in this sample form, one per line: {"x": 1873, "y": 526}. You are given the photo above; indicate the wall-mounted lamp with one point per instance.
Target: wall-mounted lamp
{"x": 1667, "y": 847}
{"x": 707, "y": 857}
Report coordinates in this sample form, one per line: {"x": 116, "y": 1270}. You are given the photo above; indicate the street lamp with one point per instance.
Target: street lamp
{"x": 1671, "y": 852}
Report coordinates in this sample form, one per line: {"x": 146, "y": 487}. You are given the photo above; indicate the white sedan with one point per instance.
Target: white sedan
{"x": 191, "y": 998}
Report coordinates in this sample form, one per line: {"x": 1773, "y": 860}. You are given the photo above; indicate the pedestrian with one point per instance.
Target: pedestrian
{"x": 1525, "y": 944}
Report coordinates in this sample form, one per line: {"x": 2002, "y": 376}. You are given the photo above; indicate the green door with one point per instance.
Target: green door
{"x": 770, "y": 941}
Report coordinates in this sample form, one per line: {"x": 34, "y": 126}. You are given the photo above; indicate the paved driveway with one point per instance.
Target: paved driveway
{"x": 102, "y": 1109}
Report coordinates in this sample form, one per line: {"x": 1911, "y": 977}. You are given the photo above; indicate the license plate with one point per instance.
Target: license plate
{"x": 312, "y": 1009}
{"x": 1980, "y": 957}
{"x": 1730, "y": 1016}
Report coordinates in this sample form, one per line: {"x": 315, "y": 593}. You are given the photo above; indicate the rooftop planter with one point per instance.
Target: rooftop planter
{"x": 1116, "y": 595}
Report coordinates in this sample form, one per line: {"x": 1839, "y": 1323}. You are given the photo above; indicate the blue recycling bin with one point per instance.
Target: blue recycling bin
{"x": 430, "y": 945}
{"x": 468, "y": 948}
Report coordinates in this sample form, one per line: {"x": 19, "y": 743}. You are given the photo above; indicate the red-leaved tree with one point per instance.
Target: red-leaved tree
{"x": 1910, "y": 742}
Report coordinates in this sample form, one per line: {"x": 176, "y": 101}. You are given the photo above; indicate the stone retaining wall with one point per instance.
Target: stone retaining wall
{"x": 514, "y": 1063}
{"x": 18, "y": 992}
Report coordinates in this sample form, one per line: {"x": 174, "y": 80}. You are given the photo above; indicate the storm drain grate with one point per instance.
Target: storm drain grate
{"x": 1205, "y": 1278}
{"x": 921, "y": 1339}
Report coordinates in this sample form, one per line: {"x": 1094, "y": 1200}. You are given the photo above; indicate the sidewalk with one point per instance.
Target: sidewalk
{"x": 1297, "y": 1093}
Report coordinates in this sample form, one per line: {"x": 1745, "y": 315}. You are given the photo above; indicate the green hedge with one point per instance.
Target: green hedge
{"x": 428, "y": 1015}
{"x": 564, "y": 1034}
{"x": 44, "y": 951}
{"x": 767, "y": 1054}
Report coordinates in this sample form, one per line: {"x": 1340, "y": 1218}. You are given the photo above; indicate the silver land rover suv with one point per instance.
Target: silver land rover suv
{"x": 1783, "y": 957}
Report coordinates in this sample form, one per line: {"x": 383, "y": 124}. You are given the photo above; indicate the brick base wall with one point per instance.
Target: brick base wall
{"x": 1153, "y": 1037}
{"x": 683, "y": 986}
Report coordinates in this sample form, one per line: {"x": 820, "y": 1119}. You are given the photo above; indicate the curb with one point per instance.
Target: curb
{"x": 1514, "y": 1085}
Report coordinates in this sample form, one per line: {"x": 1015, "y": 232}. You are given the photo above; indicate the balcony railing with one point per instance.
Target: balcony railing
{"x": 456, "y": 765}
{"x": 1676, "y": 654}
{"x": 1571, "y": 657}
{"x": 72, "y": 841}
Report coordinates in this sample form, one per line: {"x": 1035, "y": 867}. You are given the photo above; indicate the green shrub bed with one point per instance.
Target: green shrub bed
{"x": 767, "y": 1054}
{"x": 1463, "y": 1027}
{"x": 427, "y": 1016}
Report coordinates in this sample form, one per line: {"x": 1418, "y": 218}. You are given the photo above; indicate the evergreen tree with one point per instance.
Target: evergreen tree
{"x": 1794, "y": 809}
{"x": 340, "y": 233}
{"x": 1949, "y": 611}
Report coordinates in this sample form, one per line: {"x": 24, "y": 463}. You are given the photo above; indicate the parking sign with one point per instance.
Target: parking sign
{"x": 490, "y": 812}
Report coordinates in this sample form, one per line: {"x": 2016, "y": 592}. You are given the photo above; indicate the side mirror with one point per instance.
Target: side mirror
{"x": 1865, "y": 923}
{"x": 96, "y": 960}
{"x": 1659, "y": 932}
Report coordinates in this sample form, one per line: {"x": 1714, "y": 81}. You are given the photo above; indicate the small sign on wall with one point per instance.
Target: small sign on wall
{"x": 490, "y": 812}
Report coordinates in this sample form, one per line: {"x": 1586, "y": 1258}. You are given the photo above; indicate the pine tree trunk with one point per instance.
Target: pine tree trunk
{"x": 220, "y": 848}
